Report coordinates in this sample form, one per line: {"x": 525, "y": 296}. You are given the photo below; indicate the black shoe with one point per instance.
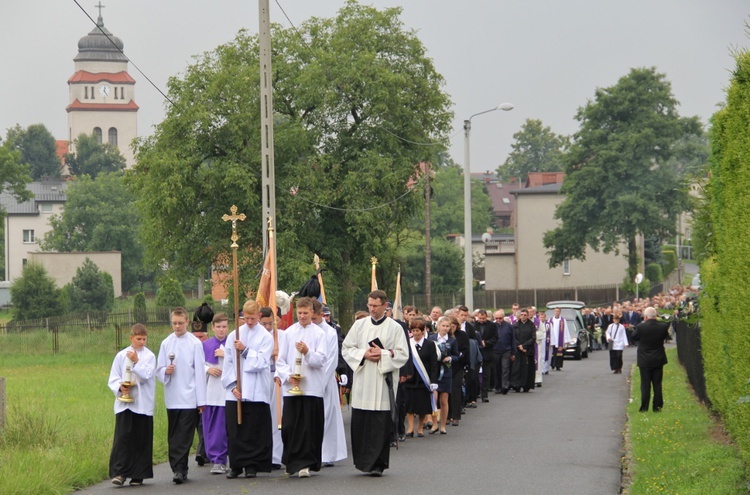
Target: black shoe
{"x": 394, "y": 444}
{"x": 517, "y": 389}
{"x": 402, "y": 438}
{"x": 275, "y": 466}
{"x": 505, "y": 391}
{"x": 376, "y": 473}
{"x": 200, "y": 460}
{"x": 657, "y": 409}
{"x": 485, "y": 399}
{"x": 642, "y": 410}
{"x": 539, "y": 384}
{"x": 179, "y": 478}
{"x": 234, "y": 473}
{"x": 428, "y": 424}
{"x": 135, "y": 482}
{"x": 410, "y": 434}
{"x": 498, "y": 391}
{"x": 250, "y": 473}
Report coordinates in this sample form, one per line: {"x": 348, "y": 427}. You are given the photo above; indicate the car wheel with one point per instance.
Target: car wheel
{"x": 585, "y": 353}
{"x": 577, "y": 353}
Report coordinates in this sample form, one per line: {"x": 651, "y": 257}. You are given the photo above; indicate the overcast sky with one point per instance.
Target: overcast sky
{"x": 545, "y": 56}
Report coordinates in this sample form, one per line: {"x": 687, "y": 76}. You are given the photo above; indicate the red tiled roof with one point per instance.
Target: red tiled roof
{"x": 128, "y": 107}
{"x": 62, "y": 149}
{"x": 83, "y": 76}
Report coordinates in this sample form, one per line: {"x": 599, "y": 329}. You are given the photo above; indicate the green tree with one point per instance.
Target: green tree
{"x": 691, "y": 151}
{"x": 34, "y": 294}
{"x": 352, "y": 95}
{"x": 447, "y": 206}
{"x": 91, "y": 289}
{"x": 535, "y": 149}
{"x": 446, "y": 266}
{"x": 618, "y": 183}
{"x": 38, "y": 149}
{"x": 100, "y": 215}
{"x": 170, "y": 294}
{"x": 93, "y": 157}
{"x": 139, "y": 307}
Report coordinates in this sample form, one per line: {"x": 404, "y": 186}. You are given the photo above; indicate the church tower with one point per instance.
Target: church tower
{"x": 102, "y": 92}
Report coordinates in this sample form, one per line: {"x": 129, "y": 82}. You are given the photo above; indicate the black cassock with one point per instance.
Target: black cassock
{"x": 523, "y": 366}
{"x": 132, "y": 447}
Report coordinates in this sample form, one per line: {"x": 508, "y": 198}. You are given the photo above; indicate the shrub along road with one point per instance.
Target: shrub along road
{"x": 563, "y": 438}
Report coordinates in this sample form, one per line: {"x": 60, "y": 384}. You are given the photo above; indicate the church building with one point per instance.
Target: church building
{"x": 102, "y": 93}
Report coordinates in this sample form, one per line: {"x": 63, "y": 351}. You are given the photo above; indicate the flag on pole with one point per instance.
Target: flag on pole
{"x": 263, "y": 297}
{"x": 373, "y": 281}
{"x": 398, "y": 313}
{"x": 322, "y": 298}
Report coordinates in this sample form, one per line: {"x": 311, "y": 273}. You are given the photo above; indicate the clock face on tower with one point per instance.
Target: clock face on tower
{"x": 104, "y": 90}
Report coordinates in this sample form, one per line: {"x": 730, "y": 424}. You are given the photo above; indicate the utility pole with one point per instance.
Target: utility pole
{"x": 268, "y": 180}
{"x": 427, "y": 248}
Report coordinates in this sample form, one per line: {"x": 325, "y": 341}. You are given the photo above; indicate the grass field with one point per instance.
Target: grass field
{"x": 60, "y": 420}
{"x": 681, "y": 450}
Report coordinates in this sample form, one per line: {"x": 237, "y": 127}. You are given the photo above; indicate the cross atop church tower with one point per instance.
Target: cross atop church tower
{"x": 100, "y": 7}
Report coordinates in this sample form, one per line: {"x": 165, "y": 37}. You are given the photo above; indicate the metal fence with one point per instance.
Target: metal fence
{"x": 690, "y": 354}
{"x": 88, "y": 332}
{"x": 494, "y": 299}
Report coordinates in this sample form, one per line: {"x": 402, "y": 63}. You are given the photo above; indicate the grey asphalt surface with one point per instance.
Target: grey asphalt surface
{"x": 563, "y": 438}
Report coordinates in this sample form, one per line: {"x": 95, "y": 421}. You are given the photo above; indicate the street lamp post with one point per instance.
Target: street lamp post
{"x": 468, "y": 258}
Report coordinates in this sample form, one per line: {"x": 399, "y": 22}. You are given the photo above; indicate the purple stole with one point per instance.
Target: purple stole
{"x": 210, "y": 346}
{"x": 560, "y": 337}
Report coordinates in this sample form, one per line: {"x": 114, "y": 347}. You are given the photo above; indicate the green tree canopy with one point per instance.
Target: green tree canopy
{"x": 170, "y": 294}
{"x": 352, "y": 94}
{"x": 535, "y": 149}
{"x": 100, "y": 215}
{"x": 92, "y": 157}
{"x": 618, "y": 182}
{"x": 38, "y": 150}
{"x": 34, "y": 294}
{"x": 90, "y": 289}
{"x": 447, "y": 206}
{"x": 14, "y": 174}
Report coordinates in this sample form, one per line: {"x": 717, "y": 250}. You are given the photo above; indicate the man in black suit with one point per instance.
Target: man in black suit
{"x": 487, "y": 331}
{"x": 651, "y": 335}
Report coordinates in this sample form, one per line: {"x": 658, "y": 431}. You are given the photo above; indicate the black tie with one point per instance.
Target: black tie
{"x": 419, "y": 347}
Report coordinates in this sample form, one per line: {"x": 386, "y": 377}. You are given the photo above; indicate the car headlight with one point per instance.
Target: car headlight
{"x": 573, "y": 341}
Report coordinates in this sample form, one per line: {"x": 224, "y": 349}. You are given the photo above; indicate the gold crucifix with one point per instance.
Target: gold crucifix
{"x": 234, "y": 217}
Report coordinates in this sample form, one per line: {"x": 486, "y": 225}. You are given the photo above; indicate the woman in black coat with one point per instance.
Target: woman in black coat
{"x": 418, "y": 390}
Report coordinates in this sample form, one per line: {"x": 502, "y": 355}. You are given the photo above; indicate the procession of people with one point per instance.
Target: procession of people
{"x": 264, "y": 402}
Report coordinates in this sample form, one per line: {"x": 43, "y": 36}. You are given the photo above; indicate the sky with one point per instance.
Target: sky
{"x": 546, "y": 57}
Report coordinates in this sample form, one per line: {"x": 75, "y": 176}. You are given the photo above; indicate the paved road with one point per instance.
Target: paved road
{"x": 563, "y": 438}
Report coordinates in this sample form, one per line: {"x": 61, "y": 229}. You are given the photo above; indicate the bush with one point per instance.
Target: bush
{"x": 170, "y": 294}
{"x": 628, "y": 286}
{"x": 208, "y": 299}
{"x": 670, "y": 261}
{"x": 653, "y": 273}
{"x": 90, "y": 289}
{"x": 139, "y": 307}
{"x": 34, "y": 294}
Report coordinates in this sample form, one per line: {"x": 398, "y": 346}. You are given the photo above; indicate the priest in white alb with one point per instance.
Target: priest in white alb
{"x": 375, "y": 348}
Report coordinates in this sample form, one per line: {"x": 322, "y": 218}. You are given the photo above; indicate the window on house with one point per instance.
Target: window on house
{"x": 112, "y": 138}
{"x": 566, "y": 267}
{"x": 85, "y": 92}
{"x": 46, "y": 207}
{"x": 24, "y": 261}
{"x": 506, "y": 201}
{"x": 98, "y": 134}
{"x": 28, "y": 236}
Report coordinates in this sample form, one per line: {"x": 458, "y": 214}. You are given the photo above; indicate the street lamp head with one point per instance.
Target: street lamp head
{"x": 505, "y": 107}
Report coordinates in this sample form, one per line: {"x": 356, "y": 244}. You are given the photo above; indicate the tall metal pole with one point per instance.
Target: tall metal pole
{"x": 468, "y": 272}
{"x": 427, "y": 247}
{"x": 268, "y": 180}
